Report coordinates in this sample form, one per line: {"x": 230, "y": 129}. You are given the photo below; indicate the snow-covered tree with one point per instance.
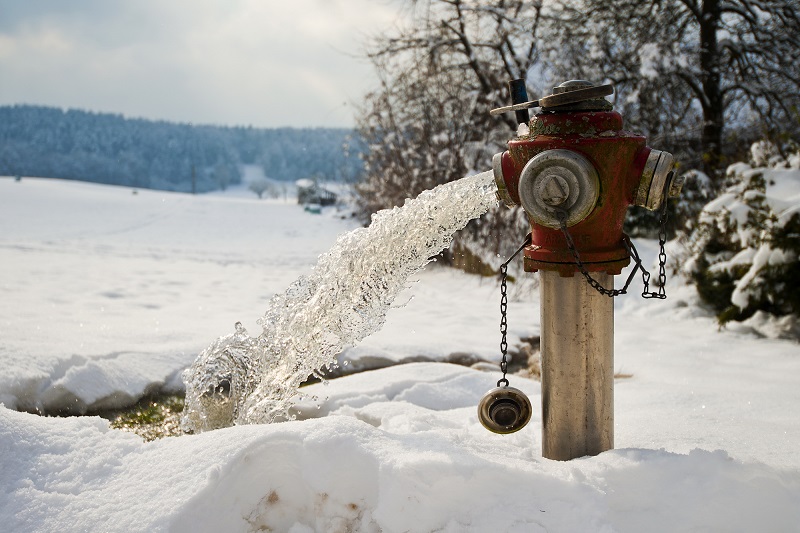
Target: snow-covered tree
{"x": 49, "y": 142}
{"x": 700, "y": 78}
{"x": 744, "y": 253}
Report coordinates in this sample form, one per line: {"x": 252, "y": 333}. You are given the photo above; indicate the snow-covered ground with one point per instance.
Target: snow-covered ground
{"x": 106, "y": 295}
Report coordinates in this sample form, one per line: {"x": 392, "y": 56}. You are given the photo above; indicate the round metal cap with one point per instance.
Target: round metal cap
{"x": 504, "y": 410}
{"x": 558, "y": 178}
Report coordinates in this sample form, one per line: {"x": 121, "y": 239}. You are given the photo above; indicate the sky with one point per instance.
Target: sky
{"x": 264, "y": 63}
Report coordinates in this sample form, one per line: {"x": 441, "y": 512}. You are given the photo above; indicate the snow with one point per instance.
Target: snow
{"x": 108, "y": 294}
{"x": 390, "y": 454}
{"x": 650, "y": 58}
{"x": 104, "y": 286}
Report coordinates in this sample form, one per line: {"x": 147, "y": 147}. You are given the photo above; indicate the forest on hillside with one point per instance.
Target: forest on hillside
{"x": 109, "y": 148}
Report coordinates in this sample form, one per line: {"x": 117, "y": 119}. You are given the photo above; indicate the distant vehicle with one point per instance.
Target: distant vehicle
{"x": 310, "y": 192}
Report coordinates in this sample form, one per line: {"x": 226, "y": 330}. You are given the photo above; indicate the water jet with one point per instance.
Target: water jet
{"x": 242, "y": 379}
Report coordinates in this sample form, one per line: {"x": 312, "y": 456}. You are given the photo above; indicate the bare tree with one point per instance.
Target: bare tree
{"x": 688, "y": 69}
{"x": 428, "y": 122}
{"x": 260, "y": 186}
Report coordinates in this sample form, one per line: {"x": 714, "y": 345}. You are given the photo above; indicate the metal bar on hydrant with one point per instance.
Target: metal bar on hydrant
{"x": 577, "y": 355}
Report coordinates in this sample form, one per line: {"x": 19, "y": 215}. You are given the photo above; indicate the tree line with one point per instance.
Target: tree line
{"x": 109, "y": 148}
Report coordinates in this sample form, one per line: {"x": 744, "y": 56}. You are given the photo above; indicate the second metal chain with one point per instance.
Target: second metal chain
{"x": 562, "y": 215}
{"x": 504, "y": 312}
{"x": 662, "y": 261}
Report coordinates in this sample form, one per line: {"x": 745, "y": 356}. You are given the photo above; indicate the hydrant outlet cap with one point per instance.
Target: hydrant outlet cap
{"x": 658, "y": 181}
{"x": 558, "y": 179}
{"x": 504, "y": 410}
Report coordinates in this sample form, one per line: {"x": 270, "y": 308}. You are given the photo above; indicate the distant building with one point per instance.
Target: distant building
{"x": 309, "y": 192}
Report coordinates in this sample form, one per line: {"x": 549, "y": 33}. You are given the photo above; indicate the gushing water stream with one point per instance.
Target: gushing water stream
{"x": 241, "y": 379}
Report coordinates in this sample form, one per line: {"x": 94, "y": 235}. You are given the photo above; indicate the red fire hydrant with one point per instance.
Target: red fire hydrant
{"x": 576, "y": 171}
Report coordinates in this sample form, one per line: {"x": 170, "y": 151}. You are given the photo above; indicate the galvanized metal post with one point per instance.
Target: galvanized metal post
{"x": 577, "y": 354}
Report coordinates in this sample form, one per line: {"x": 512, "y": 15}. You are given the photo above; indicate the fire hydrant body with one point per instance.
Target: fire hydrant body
{"x": 619, "y": 158}
{"x": 575, "y": 173}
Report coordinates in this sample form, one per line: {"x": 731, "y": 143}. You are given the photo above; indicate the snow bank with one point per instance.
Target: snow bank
{"x": 107, "y": 295}
{"x": 399, "y": 449}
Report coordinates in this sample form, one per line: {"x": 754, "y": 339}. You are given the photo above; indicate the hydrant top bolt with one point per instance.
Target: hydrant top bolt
{"x": 555, "y": 190}
{"x": 572, "y": 95}
{"x": 572, "y": 85}
{"x": 519, "y": 94}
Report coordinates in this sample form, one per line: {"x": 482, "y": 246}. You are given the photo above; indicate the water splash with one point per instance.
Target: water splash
{"x": 243, "y": 380}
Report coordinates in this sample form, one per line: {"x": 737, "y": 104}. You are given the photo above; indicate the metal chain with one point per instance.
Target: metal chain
{"x": 662, "y": 261}
{"x": 504, "y": 312}
{"x": 562, "y": 215}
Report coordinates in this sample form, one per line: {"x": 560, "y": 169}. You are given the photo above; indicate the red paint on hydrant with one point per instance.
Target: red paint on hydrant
{"x": 618, "y": 157}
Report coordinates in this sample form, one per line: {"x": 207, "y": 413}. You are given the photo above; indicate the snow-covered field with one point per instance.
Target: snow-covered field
{"x": 106, "y": 295}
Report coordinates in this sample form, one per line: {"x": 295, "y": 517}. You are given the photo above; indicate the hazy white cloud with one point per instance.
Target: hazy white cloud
{"x": 259, "y": 62}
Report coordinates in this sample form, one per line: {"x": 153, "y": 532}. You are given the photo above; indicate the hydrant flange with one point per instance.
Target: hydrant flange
{"x": 502, "y": 192}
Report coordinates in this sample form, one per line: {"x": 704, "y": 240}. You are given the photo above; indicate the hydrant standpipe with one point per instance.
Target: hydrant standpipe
{"x": 576, "y": 173}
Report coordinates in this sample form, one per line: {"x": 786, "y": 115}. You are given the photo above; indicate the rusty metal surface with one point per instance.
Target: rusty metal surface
{"x": 617, "y": 155}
